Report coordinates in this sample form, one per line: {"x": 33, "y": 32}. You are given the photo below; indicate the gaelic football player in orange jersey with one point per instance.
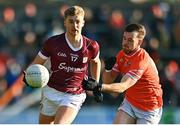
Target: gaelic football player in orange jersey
{"x": 140, "y": 82}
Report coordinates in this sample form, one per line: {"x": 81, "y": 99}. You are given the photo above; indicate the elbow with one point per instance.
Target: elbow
{"x": 120, "y": 91}
{"x": 123, "y": 90}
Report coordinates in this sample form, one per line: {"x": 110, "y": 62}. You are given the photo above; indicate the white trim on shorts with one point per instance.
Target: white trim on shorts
{"x": 142, "y": 117}
{"x": 53, "y": 99}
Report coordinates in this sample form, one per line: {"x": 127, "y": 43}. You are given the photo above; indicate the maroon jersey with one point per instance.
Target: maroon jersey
{"x": 69, "y": 65}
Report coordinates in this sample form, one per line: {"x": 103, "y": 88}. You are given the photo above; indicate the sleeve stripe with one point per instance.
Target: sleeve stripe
{"x": 134, "y": 78}
{"x": 42, "y": 56}
{"x": 134, "y": 74}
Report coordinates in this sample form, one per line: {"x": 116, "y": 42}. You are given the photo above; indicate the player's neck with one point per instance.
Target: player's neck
{"x": 75, "y": 41}
{"x": 74, "y": 38}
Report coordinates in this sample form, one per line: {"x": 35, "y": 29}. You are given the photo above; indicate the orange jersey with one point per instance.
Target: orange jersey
{"x": 146, "y": 94}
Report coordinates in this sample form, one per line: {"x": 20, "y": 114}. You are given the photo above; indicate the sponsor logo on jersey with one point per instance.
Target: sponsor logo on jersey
{"x": 63, "y": 66}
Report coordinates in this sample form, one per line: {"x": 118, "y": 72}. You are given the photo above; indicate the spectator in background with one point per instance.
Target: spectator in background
{"x": 143, "y": 98}
{"x": 69, "y": 54}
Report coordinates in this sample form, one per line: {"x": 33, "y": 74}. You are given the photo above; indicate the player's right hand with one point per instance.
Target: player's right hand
{"x": 91, "y": 85}
{"x": 109, "y": 63}
{"x": 24, "y": 78}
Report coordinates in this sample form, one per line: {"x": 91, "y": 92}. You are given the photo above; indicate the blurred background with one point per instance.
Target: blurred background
{"x": 25, "y": 24}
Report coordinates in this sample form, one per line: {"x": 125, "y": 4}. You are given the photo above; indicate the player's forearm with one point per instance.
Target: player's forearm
{"x": 113, "y": 88}
{"x": 96, "y": 70}
{"x": 126, "y": 82}
{"x": 107, "y": 77}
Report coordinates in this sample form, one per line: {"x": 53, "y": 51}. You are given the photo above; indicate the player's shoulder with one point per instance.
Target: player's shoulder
{"x": 90, "y": 43}
{"x": 89, "y": 40}
{"x": 143, "y": 53}
{"x": 141, "y": 57}
{"x": 120, "y": 53}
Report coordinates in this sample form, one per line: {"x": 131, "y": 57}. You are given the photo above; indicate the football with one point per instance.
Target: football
{"x": 37, "y": 75}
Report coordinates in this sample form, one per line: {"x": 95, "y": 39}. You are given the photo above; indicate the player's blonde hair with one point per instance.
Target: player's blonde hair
{"x": 137, "y": 28}
{"x": 74, "y": 10}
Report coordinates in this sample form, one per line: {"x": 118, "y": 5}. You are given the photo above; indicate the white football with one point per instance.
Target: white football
{"x": 37, "y": 75}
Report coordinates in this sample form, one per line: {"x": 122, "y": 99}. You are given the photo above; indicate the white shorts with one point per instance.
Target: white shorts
{"x": 53, "y": 99}
{"x": 142, "y": 117}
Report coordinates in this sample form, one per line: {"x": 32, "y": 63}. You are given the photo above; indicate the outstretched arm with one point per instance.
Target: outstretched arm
{"x": 126, "y": 82}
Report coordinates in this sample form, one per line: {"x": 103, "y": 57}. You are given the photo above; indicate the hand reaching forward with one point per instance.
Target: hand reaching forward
{"x": 92, "y": 85}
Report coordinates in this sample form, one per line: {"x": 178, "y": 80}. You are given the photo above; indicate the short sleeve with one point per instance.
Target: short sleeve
{"x": 45, "y": 50}
{"x": 117, "y": 64}
{"x": 94, "y": 50}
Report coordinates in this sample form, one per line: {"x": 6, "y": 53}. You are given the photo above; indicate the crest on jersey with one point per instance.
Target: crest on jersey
{"x": 127, "y": 64}
{"x": 121, "y": 60}
{"x": 61, "y": 54}
{"x": 85, "y": 59}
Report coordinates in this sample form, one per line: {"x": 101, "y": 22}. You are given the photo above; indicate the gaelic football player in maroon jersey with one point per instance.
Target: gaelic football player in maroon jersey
{"x": 69, "y": 54}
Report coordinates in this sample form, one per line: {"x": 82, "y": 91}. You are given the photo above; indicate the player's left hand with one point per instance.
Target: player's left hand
{"x": 91, "y": 85}
{"x": 98, "y": 96}
{"x": 109, "y": 62}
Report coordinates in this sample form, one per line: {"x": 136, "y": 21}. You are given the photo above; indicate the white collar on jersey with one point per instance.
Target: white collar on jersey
{"x": 70, "y": 45}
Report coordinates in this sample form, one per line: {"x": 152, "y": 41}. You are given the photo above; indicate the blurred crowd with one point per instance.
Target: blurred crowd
{"x": 23, "y": 29}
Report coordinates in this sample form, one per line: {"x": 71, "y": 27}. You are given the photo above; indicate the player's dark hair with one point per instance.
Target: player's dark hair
{"x": 136, "y": 27}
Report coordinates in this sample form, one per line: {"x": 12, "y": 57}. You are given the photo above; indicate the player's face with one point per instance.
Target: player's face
{"x": 74, "y": 24}
{"x": 130, "y": 42}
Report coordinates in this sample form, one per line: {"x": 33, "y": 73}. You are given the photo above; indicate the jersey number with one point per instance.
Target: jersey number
{"x": 74, "y": 58}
